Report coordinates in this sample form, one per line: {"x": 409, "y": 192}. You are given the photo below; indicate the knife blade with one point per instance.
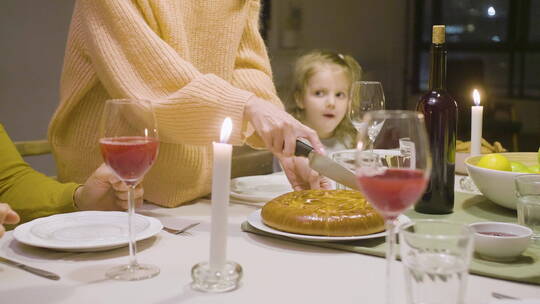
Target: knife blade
{"x": 326, "y": 166}
{"x": 40, "y": 272}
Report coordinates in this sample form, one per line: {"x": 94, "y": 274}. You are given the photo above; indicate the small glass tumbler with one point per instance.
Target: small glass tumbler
{"x": 436, "y": 255}
{"x": 346, "y": 158}
{"x": 528, "y": 205}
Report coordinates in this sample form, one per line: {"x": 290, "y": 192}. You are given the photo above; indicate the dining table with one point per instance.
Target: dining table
{"x": 274, "y": 270}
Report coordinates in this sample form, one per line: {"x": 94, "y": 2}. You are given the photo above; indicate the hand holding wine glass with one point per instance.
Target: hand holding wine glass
{"x": 394, "y": 174}
{"x": 129, "y": 145}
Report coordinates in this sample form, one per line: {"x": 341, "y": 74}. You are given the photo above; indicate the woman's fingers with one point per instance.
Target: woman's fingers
{"x": 12, "y": 218}
{"x": 119, "y": 186}
{"x": 313, "y": 138}
{"x": 314, "y": 180}
{"x": 123, "y": 195}
{"x": 278, "y": 129}
{"x": 7, "y": 215}
{"x": 123, "y": 204}
{"x": 277, "y": 142}
{"x": 326, "y": 183}
{"x": 289, "y": 144}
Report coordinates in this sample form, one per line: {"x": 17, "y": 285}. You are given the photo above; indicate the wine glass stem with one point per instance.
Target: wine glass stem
{"x": 390, "y": 258}
{"x": 132, "y": 244}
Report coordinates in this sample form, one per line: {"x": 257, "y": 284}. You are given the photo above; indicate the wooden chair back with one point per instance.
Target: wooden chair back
{"x": 33, "y": 147}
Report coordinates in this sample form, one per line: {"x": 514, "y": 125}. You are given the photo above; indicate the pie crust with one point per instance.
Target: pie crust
{"x": 323, "y": 212}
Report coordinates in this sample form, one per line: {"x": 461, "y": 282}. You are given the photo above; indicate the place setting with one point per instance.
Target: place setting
{"x": 238, "y": 152}
{"x": 85, "y": 231}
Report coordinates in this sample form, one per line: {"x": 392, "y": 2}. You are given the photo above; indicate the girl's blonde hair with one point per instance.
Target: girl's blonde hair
{"x": 309, "y": 64}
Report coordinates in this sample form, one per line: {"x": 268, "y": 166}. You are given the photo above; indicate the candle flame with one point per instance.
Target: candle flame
{"x": 226, "y": 129}
{"x": 476, "y": 97}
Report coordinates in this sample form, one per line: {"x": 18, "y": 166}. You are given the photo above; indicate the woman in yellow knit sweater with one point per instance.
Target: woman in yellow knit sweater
{"x": 198, "y": 62}
{"x": 32, "y": 194}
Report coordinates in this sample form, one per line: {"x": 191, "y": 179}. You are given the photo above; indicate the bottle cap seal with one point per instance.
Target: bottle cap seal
{"x": 438, "y": 34}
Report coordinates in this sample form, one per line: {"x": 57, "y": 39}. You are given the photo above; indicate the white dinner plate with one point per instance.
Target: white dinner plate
{"x": 255, "y": 220}
{"x": 259, "y": 188}
{"x": 85, "y": 230}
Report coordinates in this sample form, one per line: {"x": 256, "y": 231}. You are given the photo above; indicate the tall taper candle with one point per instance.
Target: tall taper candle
{"x": 220, "y": 197}
{"x": 476, "y": 124}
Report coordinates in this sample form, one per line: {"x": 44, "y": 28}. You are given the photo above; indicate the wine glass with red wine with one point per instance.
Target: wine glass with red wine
{"x": 393, "y": 170}
{"x": 129, "y": 145}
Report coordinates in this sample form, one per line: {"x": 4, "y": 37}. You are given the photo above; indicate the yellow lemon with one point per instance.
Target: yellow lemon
{"x": 519, "y": 167}
{"x": 495, "y": 161}
{"x": 534, "y": 169}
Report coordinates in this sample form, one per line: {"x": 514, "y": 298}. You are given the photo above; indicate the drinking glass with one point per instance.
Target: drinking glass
{"x": 528, "y": 205}
{"x": 389, "y": 177}
{"x": 436, "y": 255}
{"x": 129, "y": 145}
{"x": 366, "y": 96}
{"x": 346, "y": 158}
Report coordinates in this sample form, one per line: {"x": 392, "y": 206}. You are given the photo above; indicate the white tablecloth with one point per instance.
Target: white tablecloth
{"x": 274, "y": 271}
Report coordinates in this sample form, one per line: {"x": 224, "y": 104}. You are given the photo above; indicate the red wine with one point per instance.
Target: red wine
{"x": 393, "y": 191}
{"x": 440, "y": 112}
{"x": 129, "y": 156}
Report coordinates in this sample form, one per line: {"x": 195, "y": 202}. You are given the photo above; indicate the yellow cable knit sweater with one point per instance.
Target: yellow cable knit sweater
{"x": 197, "y": 61}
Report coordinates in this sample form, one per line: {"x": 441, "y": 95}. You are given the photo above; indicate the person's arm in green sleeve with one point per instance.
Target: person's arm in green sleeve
{"x": 32, "y": 194}
{"x": 28, "y": 192}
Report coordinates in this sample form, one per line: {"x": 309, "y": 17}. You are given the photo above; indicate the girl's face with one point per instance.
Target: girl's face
{"x": 325, "y": 99}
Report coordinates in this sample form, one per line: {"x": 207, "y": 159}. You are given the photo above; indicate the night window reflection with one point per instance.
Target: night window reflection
{"x": 501, "y": 37}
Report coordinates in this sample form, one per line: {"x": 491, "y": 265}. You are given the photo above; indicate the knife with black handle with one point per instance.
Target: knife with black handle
{"x": 326, "y": 166}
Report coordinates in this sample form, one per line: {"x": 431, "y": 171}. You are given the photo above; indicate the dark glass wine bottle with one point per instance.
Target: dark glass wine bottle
{"x": 440, "y": 112}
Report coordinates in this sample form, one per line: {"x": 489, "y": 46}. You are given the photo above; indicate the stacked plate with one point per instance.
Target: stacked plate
{"x": 259, "y": 189}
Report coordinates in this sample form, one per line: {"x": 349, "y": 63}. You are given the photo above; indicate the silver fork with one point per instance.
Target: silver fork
{"x": 501, "y": 296}
{"x": 181, "y": 230}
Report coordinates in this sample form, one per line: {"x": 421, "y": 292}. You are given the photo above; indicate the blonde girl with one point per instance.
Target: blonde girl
{"x": 319, "y": 96}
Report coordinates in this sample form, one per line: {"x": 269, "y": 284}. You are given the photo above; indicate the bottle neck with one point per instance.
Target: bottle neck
{"x": 437, "y": 78}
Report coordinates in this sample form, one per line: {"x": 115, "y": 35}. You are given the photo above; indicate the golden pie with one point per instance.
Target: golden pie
{"x": 323, "y": 212}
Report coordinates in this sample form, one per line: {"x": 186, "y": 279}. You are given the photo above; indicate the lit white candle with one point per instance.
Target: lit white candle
{"x": 220, "y": 197}
{"x": 476, "y": 124}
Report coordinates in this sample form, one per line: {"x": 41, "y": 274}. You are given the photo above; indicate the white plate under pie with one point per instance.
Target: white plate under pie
{"x": 85, "y": 231}
{"x": 259, "y": 188}
{"x": 255, "y": 220}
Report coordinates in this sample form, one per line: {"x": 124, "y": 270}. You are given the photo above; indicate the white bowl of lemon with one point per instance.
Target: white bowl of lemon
{"x": 494, "y": 174}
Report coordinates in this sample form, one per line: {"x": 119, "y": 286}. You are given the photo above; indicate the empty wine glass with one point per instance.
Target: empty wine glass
{"x": 129, "y": 145}
{"x": 366, "y": 96}
{"x": 394, "y": 174}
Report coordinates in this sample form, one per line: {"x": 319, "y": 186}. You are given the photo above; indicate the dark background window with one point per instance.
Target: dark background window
{"x": 493, "y": 45}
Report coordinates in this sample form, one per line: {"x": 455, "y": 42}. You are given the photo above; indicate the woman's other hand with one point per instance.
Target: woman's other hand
{"x": 104, "y": 191}
{"x": 301, "y": 176}
{"x": 7, "y": 216}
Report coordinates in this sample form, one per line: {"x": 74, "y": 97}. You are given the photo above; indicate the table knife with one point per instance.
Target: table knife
{"x": 326, "y": 166}
{"x": 36, "y": 271}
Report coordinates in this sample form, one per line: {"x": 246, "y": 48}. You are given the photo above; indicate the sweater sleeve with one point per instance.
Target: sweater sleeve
{"x": 132, "y": 61}
{"x": 252, "y": 68}
{"x": 28, "y": 192}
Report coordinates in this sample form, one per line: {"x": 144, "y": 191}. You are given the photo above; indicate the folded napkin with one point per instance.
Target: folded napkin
{"x": 525, "y": 268}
